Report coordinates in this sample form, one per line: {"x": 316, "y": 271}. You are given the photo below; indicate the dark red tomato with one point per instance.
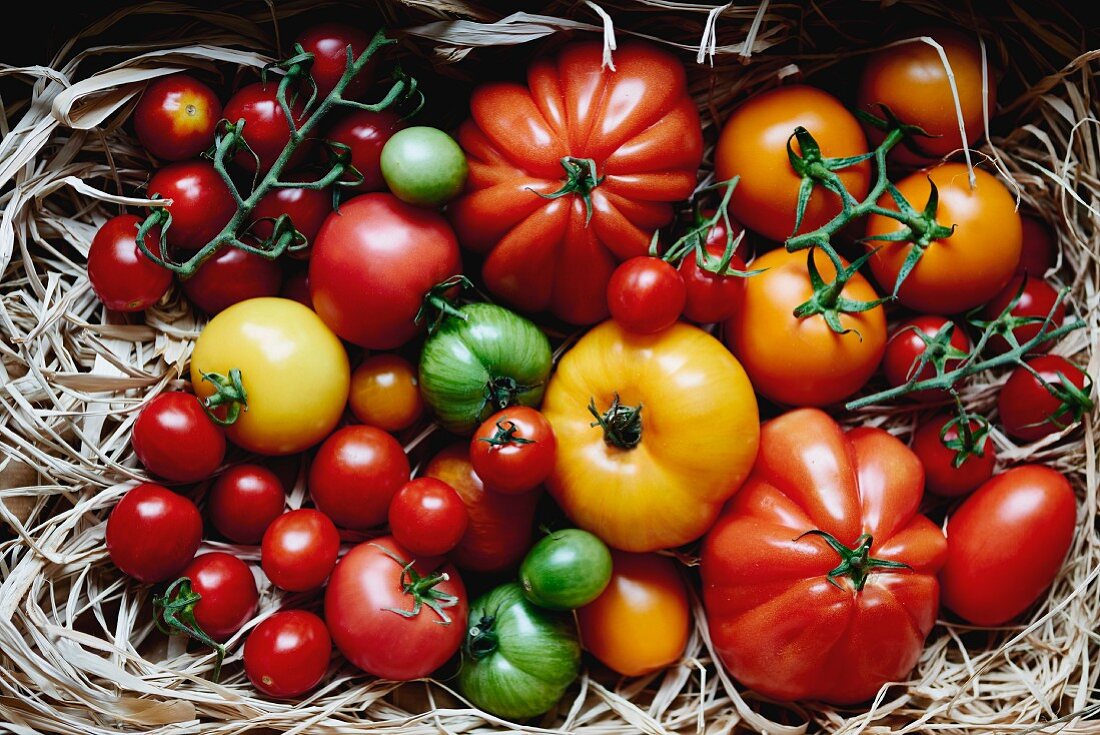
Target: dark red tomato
{"x": 175, "y": 439}
{"x": 372, "y": 264}
{"x": 907, "y": 345}
{"x": 943, "y": 475}
{"x": 231, "y": 276}
{"x": 201, "y": 203}
{"x": 296, "y": 287}
{"x": 377, "y": 610}
{"x": 153, "y": 533}
{"x": 1030, "y": 409}
{"x": 287, "y": 654}
{"x": 265, "y": 125}
{"x": 366, "y": 133}
{"x": 120, "y": 274}
{"x": 514, "y": 450}
{"x": 299, "y": 550}
{"x": 1038, "y": 253}
{"x": 328, "y": 42}
{"x": 428, "y": 517}
{"x": 646, "y": 295}
{"x": 1037, "y": 300}
{"x": 307, "y": 209}
{"x": 228, "y": 592}
{"x": 176, "y": 116}
{"x": 244, "y": 501}
{"x": 710, "y": 297}
{"x": 355, "y": 475}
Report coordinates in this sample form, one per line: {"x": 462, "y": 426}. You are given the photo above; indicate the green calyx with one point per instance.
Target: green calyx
{"x": 506, "y": 433}
{"x": 971, "y": 434}
{"x": 937, "y": 353}
{"x": 177, "y": 610}
{"x": 228, "y": 392}
{"x": 621, "y": 424}
{"x": 828, "y": 298}
{"x": 423, "y": 589}
{"x": 580, "y": 179}
{"x": 1073, "y": 402}
{"x": 438, "y": 305}
{"x": 855, "y": 564}
{"x": 481, "y": 639}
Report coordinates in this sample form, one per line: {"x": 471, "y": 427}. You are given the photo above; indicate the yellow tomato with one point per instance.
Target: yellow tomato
{"x": 654, "y": 478}
{"x": 385, "y": 393}
{"x": 293, "y": 369}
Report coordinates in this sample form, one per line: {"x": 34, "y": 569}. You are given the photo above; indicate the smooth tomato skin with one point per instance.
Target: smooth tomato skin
{"x": 385, "y": 393}
{"x": 646, "y": 295}
{"x": 120, "y": 274}
{"x": 307, "y": 209}
{"x": 428, "y": 517}
{"x": 1039, "y": 251}
{"x": 1006, "y": 543}
{"x": 176, "y": 116}
{"x": 232, "y": 276}
{"x": 1025, "y": 405}
{"x": 265, "y": 125}
{"x": 287, "y": 654}
{"x": 753, "y": 145}
{"x": 1038, "y": 299}
{"x": 201, "y": 203}
{"x": 941, "y": 476}
{"x": 228, "y": 590}
{"x": 175, "y": 439}
{"x": 709, "y": 297}
{"x": 905, "y": 347}
{"x": 355, "y": 475}
{"x": 244, "y": 501}
{"x": 514, "y": 467}
{"x": 424, "y": 166}
{"x": 640, "y": 622}
{"x": 153, "y": 533}
{"x": 328, "y": 42}
{"x": 299, "y": 550}
{"x": 366, "y": 134}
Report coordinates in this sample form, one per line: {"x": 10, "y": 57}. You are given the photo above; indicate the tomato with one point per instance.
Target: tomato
{"x": 1006, "y": 544}
{"x": 365, "y": 133}
{"x": 175, "y": 439}
{"x": 1037, "y": 300}
{"x": 961, "y": 271}
{"x": 201, "y": 202}
{"x": 1039, "y": 251}
{"x": 153, "y": 533}
{"x": 299, "y": 549}
{"x": 753, "y": 145}
{"x": 265, "y": 125}
{"x": 911, "y": 342}
{"x": 517, "y": 659}
{"x": 567, "y": 569}
{"x": 500, "y": 526}
{"x": 424, "y": 166}
{"x": 296, "y": 287}
{"x": 227, "y": 592}
{"x": 631, "y": 143}
{"x": 1030, "y": 410}
{"x": 294, "y": 371}
{"x": 395, "y": 619}
{"x": 287, "y": 654}
{"x": 121, "y": 275}
{"x": 640, "y": 623}
{"x": 646, "y": 295}
{"x": 232, "y": 276}
{"x": 675, "y": 434}
{"x": 244, "y": 500}
{"x": 802, "y": 361}
{"x": 176, "y": 116}
{"x": 513, "y": 451}
{"x": 329, "y": 42}
{"x": 355, "y": 475}
{"x": 710, "y": 297}
{"x": 835, "y": 514}
{"x": 428, "y": 517}
{"x": 955, "y": 470}
{"x": 385, "y": 392}
{"x": 307, "y": 209}
{"x": 373, "y": 262}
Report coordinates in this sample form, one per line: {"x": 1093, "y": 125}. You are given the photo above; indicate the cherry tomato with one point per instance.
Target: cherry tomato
{"x": 328, "y": 42}
{"x": 385, "y": 393}
{"x": 307, "y": 209}
{"x": 514, "y": 450}
{"x": 646, "y": 295}
{"x": 424, "y": 166}
{"x": 287, "y": 654}
{"x": 176, "y": 116}
{"x": 244, "y": 501}
{"x": 265, "y": 126}
{"x": 428, "y": 517}
{"x": 228, "y": 591}
{"x": 1028, "y": 408}
{"x": 175, "y": 439}
{"x": 201, "y": 203}
{"x": 711, "y": 297}
{"x": 120, "y": 274}
{"x": 1039, "y": 251}
{"x": 296, "y": 288}
{"x": 299, "y": 550}
{"x": 153, "y": 533}
{"x": 1038, "y": 299}
{"x": 355, "y": 475}
{"x": 943, "y": 475}
{"x": 366, "y": 133}
{"x": 907, "y": 346}
{"x": 232, "y": 276}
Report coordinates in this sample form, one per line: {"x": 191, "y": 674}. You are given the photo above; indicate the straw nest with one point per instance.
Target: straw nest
{"x": 78, "y": 650}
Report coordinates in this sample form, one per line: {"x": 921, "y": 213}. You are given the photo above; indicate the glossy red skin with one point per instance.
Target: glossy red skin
{"x": 355, "y": 475}
{"x": 121, "y": 275}
{"x": 382, "y": 642}
{"x": 941, "y": 476}
{"x": 296, "y": 287}
{"x": 265, "y": 125}
{"x": 228, "y": 590}
{"x": 646, "y": 295}
{"x": 175, "y": 439}
{"x": 328, "y": 42}
{"x": 153, "y": 533}
{"x": 366, "y": 133}
{"x": 1026, "y": 406}
{"x": 176, "y": 116}
{"x": 244, "y": 501}
{"x": 201, "y": 203}
{"x": 372, "y": 264}
{"x": 1038, "y": 254}
{"x": 766, "y": 591}
{"x": 637, "y": 123}
{"x": 288, "y": 653}
{"x": 299, "y": 550}
{"x": 514, "y": 468}
{"x": 307, "y": 209}
{"x": 1038, "y": 299}
{"x": 1006, "y": 543}
{"x": 905, "y": 346}
{"x": 712, "y": 298}
{"x": 428, "y": 517}
{"x": 232, "y": 276}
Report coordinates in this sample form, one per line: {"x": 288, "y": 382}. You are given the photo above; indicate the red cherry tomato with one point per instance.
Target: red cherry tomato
{"x": 328, "y": 42}
{"x": 355, "y": 475}
{"x": 175, "y": 439}
{"x": 201, "y": 203}
{"x": 307, "y": 209}
{"x": 296, "y": 287}
{"x": 228, "y": 592}
{"x": 366, "y": 133}
{"x": 244, "y": 501}
{"x": 287, "y": 654}
{"x": 1030, "y": 410}
{"x": 942, "y": 474}
{"x": 908, "y": 344}
{"x": 176, "y": 116}
{"x": 265, "y": 126}
{"x": 711, "y": 297}
{"x": 428, "y": 517}
{"x": 120, "y": 274}
{"x": 231, "y": 276}
{"x": 299, "y": 550}
{"x": 1037, "y": 300}
{"x": 1038, "y": 253}
{"x": 646, "y": 295}
{"x": 514, "y": 450}
{"x": 153, "y": 533}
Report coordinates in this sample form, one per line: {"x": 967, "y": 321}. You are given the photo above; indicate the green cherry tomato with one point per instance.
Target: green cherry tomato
{"x": 566, "y": 570}
{"x": 424, "y": 166}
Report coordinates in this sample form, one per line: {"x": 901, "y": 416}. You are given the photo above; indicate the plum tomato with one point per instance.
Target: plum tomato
{"x": 914, "y": 350}
{"x": 424, "y": 166}
{"x": 328, "y": 42}
{"x": 153, "y": 533}
{"x": 243, "y": 502}
{"x": 299, "y": 550}
{"x": 120, "y": 274}
{"x": 176, "y": 116}
{"x": 954, "y": 463}
{"x": 365, "y": 133}
{"x": 201, "y": 202}
{"x": 288, "y": 653}
{"x": 355, "y": 475}
{"x": 227, "y": 592}
{"x": 514, "y": 450}
{"x": 646, "y": 295}
{"x": 175, "y": 439}
{"x": 385, "y": 392}
{"x": 265, "y": 126}
{"x": 1036, "y": 300}
{"x": 428, "y": 517}
{"x": 1047, "y": 395}
{"x": 232, "y": 275}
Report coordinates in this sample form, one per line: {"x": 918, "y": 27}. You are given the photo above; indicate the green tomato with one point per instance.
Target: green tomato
{"x": 517, "y": 659}
{"x": 477, "y": 364}
{"x": 424, "y": 166}
{"x": 566, "y": 570}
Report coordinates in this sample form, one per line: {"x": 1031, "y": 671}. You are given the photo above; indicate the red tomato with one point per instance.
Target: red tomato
{"x": 228, "y": 592}
{"x": 120, "y": 274}
{"x": 265, "y": 125}
{"x": 942, "y": 475}
{"x": 307, "y": 209}
{"x": 287, "y": 654}
{"x": 1030, "y": 411}
{"x": 296, "y": 287}
{"x": 907, "y": 346}
{"x": 514, "y": 450}
{"x": 299, "y": 550}
{"x": 244, "y": 501}
{"x": 175, "y": 439}
{"x": 1006, "y": 543}
{"x": 385, "y": 393}
{"x": 328, "y": 42}
{"x": 711, "y": 297}
{"x": 372, "y": 264}
{"x": 646, "y": 295}
{"x": 153, "y": 533}
{"x": 201, "y": 203}
{"x": 355, "y": 475}
{"x": 1037, "y": 300}
{"x": 176, "y": 116}
{"x": 1039, "y": 250}
{"x": 395, "y": 621}
{"x": 366, "y": 133}
{"x": 231, "y": 276}
{"x": 428, "y": 517}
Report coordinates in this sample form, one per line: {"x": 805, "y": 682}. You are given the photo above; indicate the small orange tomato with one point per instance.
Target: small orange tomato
{"x": 640, "y": 622}
{"x": 385, "y": 393}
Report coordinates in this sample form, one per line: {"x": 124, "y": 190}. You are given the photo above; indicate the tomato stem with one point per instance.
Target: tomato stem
{"x": 177, "y": 609}
{"x": 506, "y": 433}
{"x": 422, "y": 588}
{"x": 968, "y": 441}
{"x": 855, "y": 564}
{"x": 228, "y": 392}
{"x": 622, "y": 425}
{"x": 481, "y": 639}
{"x": 580, "y": 178}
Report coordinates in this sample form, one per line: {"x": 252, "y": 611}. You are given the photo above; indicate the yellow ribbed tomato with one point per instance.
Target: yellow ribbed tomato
{"x": 654, "y": 433}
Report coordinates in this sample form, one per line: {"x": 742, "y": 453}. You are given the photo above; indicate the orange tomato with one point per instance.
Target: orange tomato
{"x": 385, "y": 393}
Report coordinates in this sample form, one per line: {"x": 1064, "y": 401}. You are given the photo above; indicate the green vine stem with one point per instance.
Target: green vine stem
{"x": 177, "y": 608}
{"x": 695, "y": 239}
{"x": 969, "y": 441}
